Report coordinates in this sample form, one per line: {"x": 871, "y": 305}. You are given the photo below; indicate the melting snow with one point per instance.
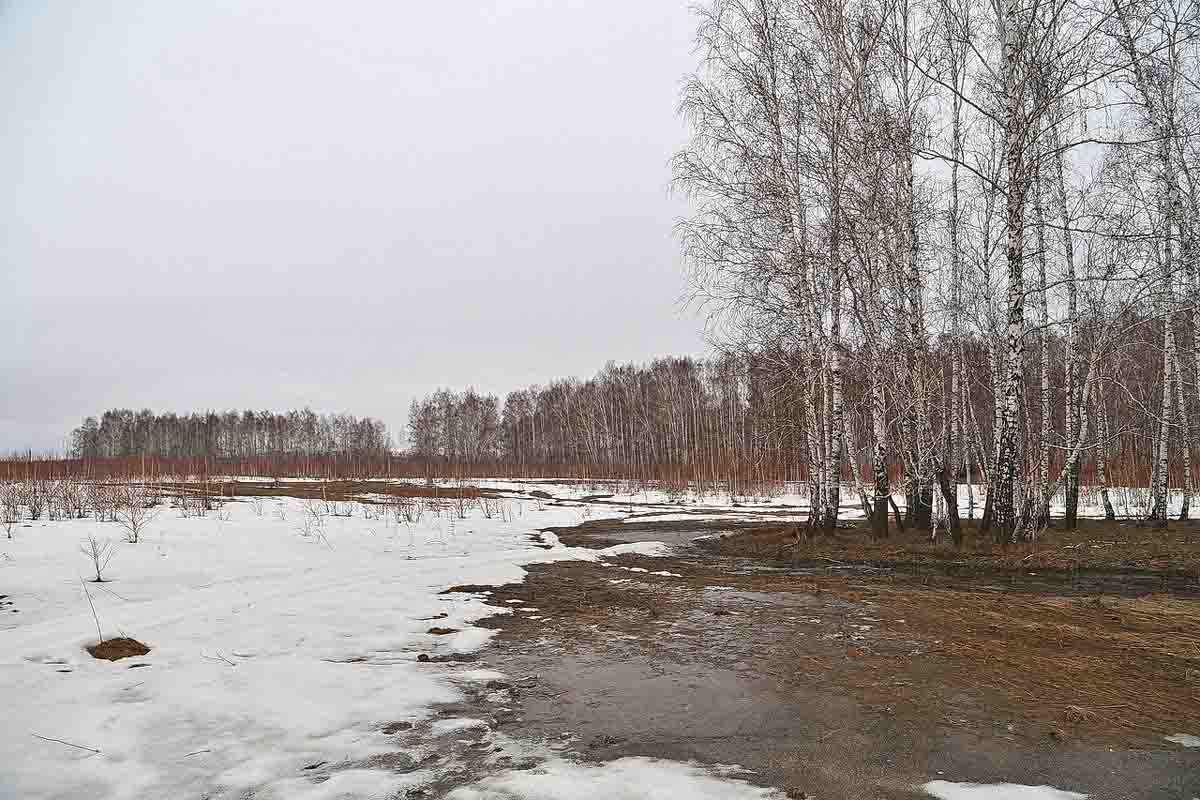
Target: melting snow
{"x": 1185, "y": 739}
{"x": 624, "y": 779}
{"x": 945, "y": 790}
{"x": 443, "y": 726}
{"x": 636, "y": 548}
{"x": 270, "y": 650}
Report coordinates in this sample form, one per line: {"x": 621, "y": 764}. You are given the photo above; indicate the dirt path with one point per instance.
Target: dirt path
{"x": 852, "y": 685}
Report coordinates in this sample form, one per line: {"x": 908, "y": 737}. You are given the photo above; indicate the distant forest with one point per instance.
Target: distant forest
{"x": 122, "y": 432}
{"x": 729, "y": 419}
{"x": 739, "y": 417}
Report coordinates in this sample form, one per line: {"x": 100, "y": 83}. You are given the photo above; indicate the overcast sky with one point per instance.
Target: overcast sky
{"x": 235, "y": 203}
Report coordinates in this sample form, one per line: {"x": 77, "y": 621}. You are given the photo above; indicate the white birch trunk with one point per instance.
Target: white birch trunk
{"x": 1017, "y": 185}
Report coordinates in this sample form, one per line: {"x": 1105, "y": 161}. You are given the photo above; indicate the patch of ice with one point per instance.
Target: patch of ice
{"x": 471, "y": 639}
{"x": 728, "y": 770}
{"x": 1185, "y": 739}
{"x": 623, "y": 779}
{"x": 444, "y": 726}
{"x": 478, "y": 675}
{"x": 666, "y": 574}
{"x": 637, "y": 548}
{"x": 946, "y": 790}
{"x": 732, "y": 515}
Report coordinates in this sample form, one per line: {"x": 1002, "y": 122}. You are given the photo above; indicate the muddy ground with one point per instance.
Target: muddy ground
{"x": 856, "y": 678}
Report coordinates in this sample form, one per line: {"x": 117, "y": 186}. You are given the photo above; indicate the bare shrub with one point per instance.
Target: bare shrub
{"x": 258, "y": 505}
{"x": 10, "y": 507}
{"x": 461, "y": 505}
{"x": 407, "y": 510}
{"x": 54, "y": 510}
{"x": 194, "y": 503}
{"x": 312, "y": 520}
{"x": 99, "y": 552}
{"x": 493, "y": 507}
{"x": 35, "y": 498}
{"x": 102, "y": 498}
{"x": 135, "y": 509}
{"x": 73, "y": 499}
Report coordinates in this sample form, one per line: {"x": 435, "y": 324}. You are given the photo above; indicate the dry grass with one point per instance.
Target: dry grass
{"x": 339, "y": 491}
{"x": 1094, "y": 545}
{"x": 1082, "y": 665}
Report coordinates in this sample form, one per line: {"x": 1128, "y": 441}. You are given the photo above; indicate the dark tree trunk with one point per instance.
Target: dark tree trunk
{"x": 896, "y": 511}
{"x": 1071, "y": 521}
{"x": 920, "y": 505}
{"x": 883, "y": 495}
{"x": 948, "y": 495}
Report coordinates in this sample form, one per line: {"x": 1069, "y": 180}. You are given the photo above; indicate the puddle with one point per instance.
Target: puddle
{"x": 633, "y": 532}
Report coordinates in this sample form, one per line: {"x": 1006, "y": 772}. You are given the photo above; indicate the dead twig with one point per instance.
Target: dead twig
{"x": 219, "y": 657}
{"x": 99, "y": 635}
{"x": 61, "y": 741}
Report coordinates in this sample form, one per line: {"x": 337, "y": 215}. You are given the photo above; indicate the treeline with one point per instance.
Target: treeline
{"x": 736, "y": 419}
{"x": 120, "y": 433}
{"x": 674, "y": 419}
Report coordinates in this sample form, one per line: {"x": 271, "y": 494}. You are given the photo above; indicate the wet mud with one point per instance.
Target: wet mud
{"x": 841, "y": 681}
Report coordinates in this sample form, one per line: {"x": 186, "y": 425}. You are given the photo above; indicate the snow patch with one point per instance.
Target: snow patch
{"x": 245, "y": 615}
{"x": 1185, "y": 739}
{"x": 945, "y": 790}
{"x": 445, "y": 726}
{"x": 341, "y": 785}
{"x": 478, "y": 675}
{"x": 623, "y": 779}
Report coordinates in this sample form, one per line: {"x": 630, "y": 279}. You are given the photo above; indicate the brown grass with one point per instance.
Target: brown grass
{"x": 1120, "y": 546}
{"x": 340, "y": 491}
{"x": 1100, "y": 665}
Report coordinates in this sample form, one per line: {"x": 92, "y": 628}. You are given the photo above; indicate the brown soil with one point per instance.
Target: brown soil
{"x": 116, "y": 649}
{"x": 855, "y": 669}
